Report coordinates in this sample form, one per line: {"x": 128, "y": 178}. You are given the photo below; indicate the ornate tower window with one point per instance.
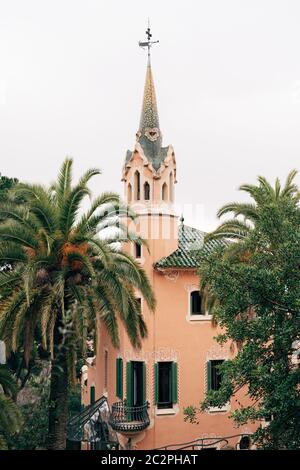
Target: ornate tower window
{"x": 171, "y": 186}
{"x": 129, "y": 192}
{"x": 147, "y": 191}
{"x": 137, "y": 250}
{"x": 137, "y": 186}
{"x": 164, "y": 192}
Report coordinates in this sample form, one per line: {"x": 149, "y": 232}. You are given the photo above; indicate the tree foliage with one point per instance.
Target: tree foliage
{"x": 256, "y": 286}
{"x": 67, "y": 275}
{"x": 10, "y": 416}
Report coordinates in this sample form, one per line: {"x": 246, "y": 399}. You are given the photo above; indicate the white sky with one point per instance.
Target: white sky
{"x": 227, "y": 76}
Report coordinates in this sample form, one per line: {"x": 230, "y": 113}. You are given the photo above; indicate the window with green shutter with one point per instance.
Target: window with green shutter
{"x": 174, "y": 382}
{"x": 214, "y": 375}
{"x": 129, "y": 384}
{"x": 156, "y": 383}
{"x": 119, "y": 378}
{"x": 144, "y": 384}
{"x": 166, "y": 384}
{"x": 92, "y": 395}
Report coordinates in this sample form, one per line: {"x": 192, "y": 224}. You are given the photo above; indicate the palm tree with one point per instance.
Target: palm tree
{"x": 67, "y": 274}
{"x": 10, "y": 416}
{"x": 233, "y": 233}
{"x": 245, "y": 215}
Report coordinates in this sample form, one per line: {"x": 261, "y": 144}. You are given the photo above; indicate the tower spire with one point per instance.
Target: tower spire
{"x": 149, "y": 115}
{"x": 149, "y": 135}
{"x": 149, "y": 121}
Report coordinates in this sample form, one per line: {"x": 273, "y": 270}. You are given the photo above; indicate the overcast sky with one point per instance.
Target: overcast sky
{"x": 227, "y": 76}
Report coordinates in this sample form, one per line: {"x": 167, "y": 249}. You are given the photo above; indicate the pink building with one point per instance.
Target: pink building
{"x": 147, "y": 390}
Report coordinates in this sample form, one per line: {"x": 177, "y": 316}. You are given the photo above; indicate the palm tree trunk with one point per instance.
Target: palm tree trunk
{"x": 58, "y": 399}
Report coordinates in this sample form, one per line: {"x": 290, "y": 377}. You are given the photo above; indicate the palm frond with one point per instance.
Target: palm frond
{"x": 62, "y": 187}
{"x": 231, "y": 229}
{"x": 249, "y": 211}
{"x": 70, "y": 209}
{"x": 90, "y": 173}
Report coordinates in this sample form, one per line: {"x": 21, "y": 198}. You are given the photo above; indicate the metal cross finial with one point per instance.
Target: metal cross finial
{"x": 148, "y": 43}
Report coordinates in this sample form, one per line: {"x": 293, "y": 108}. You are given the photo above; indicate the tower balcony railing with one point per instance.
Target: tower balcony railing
{"x": 129, "y": 419}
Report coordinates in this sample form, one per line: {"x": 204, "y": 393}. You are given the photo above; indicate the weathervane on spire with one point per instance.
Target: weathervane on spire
{"x": 148, "y": 43}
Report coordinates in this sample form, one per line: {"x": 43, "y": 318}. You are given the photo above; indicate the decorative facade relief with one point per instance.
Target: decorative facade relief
{"x": 191, "y": 287}
{"x": 160, "y": 355}
{"x": 217, "y": 352}
{"x": 171, "y": 275}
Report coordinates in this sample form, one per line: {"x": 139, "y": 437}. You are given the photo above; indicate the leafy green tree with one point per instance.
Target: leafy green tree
{"x": 5, "y": 185}
{"x": 256, "y": 284}
{"x": 68, "y": 273}
{"x": 245, "y": 215}
{"x": 10, "y": 416}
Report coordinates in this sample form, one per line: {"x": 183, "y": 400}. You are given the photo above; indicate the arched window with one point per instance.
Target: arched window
{"x": 129, "y": 192}
{"x": 137, "y": 250}
{"x": 171, "y": 186}
{"x": 137, "y": 186}
{"x": 245, "y": 443}
{"x": 146, "y": 191}
{"x": 195, "y": 302}
{"x": 164, "y": 192}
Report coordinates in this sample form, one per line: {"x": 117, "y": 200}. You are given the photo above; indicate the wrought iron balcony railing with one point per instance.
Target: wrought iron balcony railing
{"x": 129, "y": 419}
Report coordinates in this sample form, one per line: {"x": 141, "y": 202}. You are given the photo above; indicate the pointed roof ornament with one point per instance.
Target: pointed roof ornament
{"x": 148, "y": 43}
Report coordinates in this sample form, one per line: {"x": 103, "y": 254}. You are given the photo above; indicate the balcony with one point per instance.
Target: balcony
{"x": 129, "y": 419}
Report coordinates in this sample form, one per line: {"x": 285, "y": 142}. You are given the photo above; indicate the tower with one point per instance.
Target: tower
{"x": 149, "y": 174}
{"x": 148, "y": 389}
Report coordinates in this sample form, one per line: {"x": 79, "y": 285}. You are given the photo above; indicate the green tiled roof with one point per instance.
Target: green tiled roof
{"x": 190, "y": 248}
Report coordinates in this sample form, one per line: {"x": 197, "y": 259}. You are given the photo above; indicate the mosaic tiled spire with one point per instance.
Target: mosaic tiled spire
{"x": 149, "y": 135}
{"x": 149, "y": 115}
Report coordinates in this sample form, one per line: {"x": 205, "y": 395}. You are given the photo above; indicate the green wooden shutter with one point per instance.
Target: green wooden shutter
{"x": 129, "y": 384}
{"x": 156, "y": 383}
{"x": 174, "y": 382}
{"x": 144, "y": 383}
{"x": 92, "y": 395}
{"x": 119, "y": 378}
{"x": 209, "y": 371}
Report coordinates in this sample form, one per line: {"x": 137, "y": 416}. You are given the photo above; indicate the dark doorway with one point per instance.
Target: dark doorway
{"x": 138, "y": 383}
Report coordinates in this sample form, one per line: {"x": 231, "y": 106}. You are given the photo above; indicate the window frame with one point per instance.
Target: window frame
{"x": 163, "y": 407}
{"x": 200, "y": 312}
{"x": 195, "y": 318}
{"x": 119, "y": 378}
{"x": 92, "y": 394}
{"x": 214, "y": 409}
